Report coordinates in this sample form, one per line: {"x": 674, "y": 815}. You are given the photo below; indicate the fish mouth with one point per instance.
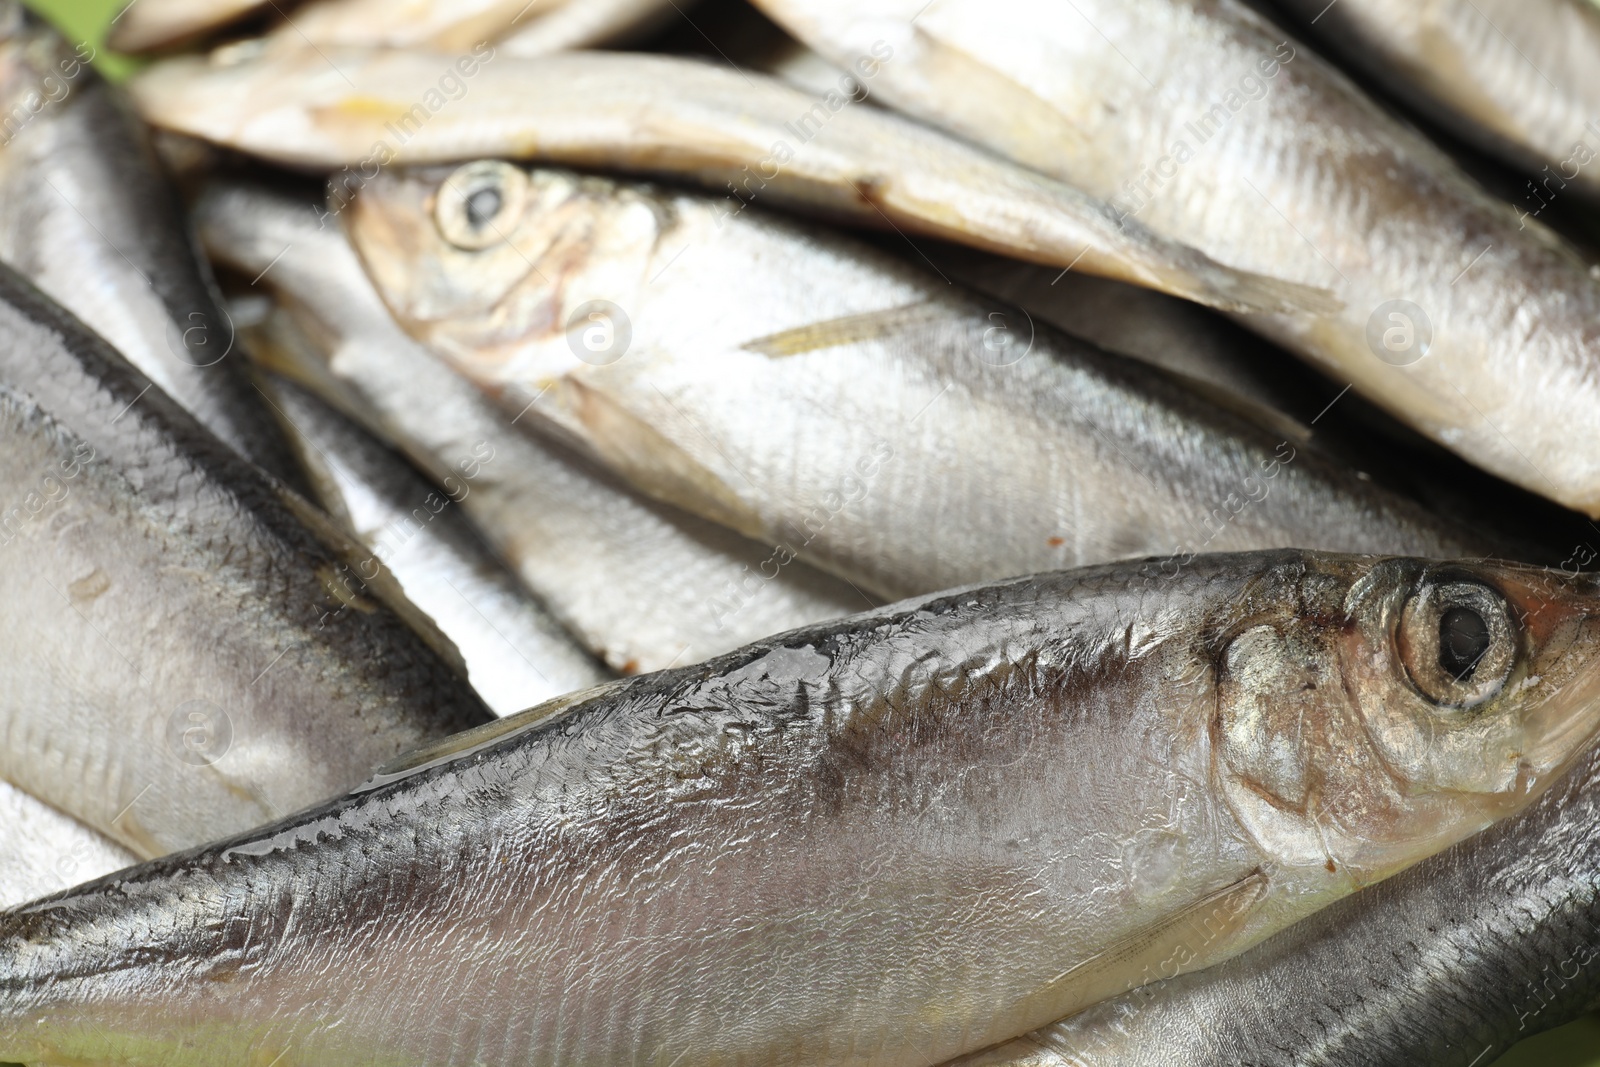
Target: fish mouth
{"x": 1561, "y": 618}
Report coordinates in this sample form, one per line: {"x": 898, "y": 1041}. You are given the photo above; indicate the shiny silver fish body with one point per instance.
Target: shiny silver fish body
{"x": 43, "y": 851}
{"x": 516, "y": 654}
{"x": 188, "y": 655}
{"x": 946, "y": 440}
{"x": 749, "y": 136}
{"x": 1519, "y": 80}
{"x": 641, "y": 584}
{"x": 87, "y": 216}
{"x": 872, "y": 843}
{"x": 1448, "y": 964}
{"x": 1208, "y": 124}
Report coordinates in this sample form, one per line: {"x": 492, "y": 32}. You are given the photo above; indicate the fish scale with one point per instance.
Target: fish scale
{"x": 1514, "y": 79}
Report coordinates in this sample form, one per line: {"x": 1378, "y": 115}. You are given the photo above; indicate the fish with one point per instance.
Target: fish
{"x": 1517, "y": 80}
{"x": 1447, "y": 964}
{"x": 753, "y": 138}
{"x": 190, "y": 651}
{"x": 153, "y": 25}
{"x": 878, "y": 842}
{"x": 43, "y": 851}
{"x": 88, "y": 217}
{"x": 942, "y": 439}
{"x": 516, "y": 654}
{"x": 1214, "y": 127}
{"x": 642, "y": 585}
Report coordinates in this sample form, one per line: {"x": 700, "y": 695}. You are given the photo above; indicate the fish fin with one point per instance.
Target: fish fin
{"x": 381, "y": 584}
{"x": 467, "y": 742}
{"x": 1262, "y": 294}
{"x": 1268, "y": 418}
{"x": 1198, "y": 932}
{"x": 654, "y": 463}
{"x": 848, "y": 329}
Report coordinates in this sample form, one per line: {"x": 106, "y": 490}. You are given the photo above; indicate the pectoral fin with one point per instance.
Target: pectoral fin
{"x": 848, "y": 329}
{"x": 1187, "y": 939}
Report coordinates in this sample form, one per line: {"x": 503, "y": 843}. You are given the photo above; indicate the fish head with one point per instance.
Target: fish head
{"x": 494, "y": 265}
{"x": 1374, "y": 711}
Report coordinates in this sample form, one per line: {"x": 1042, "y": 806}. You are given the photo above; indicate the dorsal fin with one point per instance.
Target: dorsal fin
{"x": 478, "y": 738}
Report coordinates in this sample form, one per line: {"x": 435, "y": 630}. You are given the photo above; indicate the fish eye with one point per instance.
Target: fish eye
{"x": 1458, "y": 642}
{"x": 479, "y": 203}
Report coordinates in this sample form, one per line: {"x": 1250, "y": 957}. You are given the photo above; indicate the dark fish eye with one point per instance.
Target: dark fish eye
{"x": 1458, "y": 641}
{"x": 482, "y": 206}
{"x": 479, "y": 205}
{"x": 1463, "y": 640}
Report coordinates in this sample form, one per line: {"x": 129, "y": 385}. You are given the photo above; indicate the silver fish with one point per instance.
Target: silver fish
{"x": 516, "y": 654}
{"x": 808, "y": 391}
{"x": 87, "y": 216}
{"x": 1208, "y": 124}
{"x": 1519, "y": 80}
{"x": 757, "y": 138}
{"x": 43, "y": 851}
{"x": 641, "y": 584}
{"x": 190, "y": 653}
{"x": 873, "y": 843}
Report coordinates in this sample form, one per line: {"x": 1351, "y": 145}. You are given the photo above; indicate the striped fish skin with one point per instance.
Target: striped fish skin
{"x": 824, "y": 834}
{"x": 642, "y": 585}
{"x": 87, "y": 215}
{"x": 947, "y": 440}
{"x": 516, "y": 654}
{"x": 1211, "y": 125}
{"x": 753, "y": 138}
{"x": 192, "y": 654}
{"x": 1518, "y": 80}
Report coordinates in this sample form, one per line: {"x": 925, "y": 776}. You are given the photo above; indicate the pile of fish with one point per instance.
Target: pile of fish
{"x": 874, "y": 533}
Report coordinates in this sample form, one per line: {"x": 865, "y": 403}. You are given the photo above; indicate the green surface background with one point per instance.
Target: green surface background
{"x": 1575, "y": 1045}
